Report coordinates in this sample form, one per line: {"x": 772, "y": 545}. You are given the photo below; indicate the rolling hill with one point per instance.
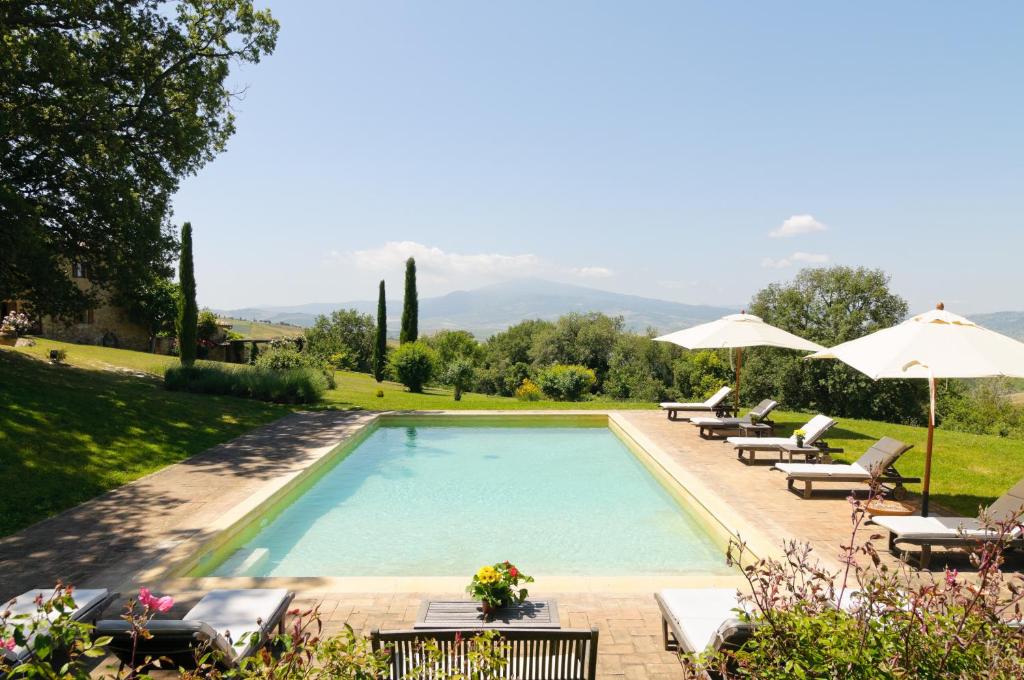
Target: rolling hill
{"x": 487, "y": 310}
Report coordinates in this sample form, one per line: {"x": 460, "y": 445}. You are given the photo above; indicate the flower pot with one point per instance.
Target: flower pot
{"x": 488, "y": 610}
{"x": 800, "y": 441}
{"x": 9, "y": 339}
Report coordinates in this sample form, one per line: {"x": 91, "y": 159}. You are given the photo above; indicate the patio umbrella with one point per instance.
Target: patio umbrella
{"x": 936, "y": 344}
{"x": 737, "y": 331}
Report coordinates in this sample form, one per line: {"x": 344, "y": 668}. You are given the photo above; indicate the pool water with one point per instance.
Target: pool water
{"x": 441, "y": 501}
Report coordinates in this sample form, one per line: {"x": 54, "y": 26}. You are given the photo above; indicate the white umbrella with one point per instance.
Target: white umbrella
{"x": 738, "y": 331}
{"x": 936, "y": 344}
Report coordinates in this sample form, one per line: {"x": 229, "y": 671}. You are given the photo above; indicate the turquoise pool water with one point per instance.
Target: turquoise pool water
{"x": 441, "y": 501}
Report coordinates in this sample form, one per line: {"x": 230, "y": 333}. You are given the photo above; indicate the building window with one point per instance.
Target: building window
{"x": 78, "y": 270}
{"x": 86, "y": 317}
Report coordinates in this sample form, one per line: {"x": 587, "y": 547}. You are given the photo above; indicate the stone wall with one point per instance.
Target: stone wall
{"x": 106, "y": 325}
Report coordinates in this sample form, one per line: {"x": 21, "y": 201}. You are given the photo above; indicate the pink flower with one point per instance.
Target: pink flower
{"x": 951, "y": 577}
{"x": 9, "y": 644}
{"x": 160, "y": 604}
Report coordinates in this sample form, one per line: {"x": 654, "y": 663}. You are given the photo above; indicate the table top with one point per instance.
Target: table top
{"x": 467, "y": 614}
{"x": 755, "y": 426}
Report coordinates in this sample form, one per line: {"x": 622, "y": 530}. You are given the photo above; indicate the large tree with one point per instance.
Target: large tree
{"x": 105, "y": 105}
{"x": 345, "y": 331}
{"x": 410, "y": 305}
{"x": 380, "y": 341}
{"x": 188, "y": 310}
{"x": 830, "y": 305}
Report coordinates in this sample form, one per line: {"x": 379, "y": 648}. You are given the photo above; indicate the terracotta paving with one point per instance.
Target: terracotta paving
{"x": 108, "y": 540}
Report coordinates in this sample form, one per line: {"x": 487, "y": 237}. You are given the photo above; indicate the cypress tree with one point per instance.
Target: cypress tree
{"x": 410, "y": 306}
{"x": 380, "y": 345}
{"x": 188, "y": 311}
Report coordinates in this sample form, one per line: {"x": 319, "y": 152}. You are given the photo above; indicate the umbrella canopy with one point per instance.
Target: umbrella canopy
{"x": 936, "y": 344}
{"x": 738, "y": 331}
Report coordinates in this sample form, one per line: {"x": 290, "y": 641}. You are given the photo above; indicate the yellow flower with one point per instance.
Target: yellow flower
{"x": 487, "y": 575}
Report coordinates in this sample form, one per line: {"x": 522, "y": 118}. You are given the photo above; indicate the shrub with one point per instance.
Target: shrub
{"x": 287, "y": 386}
{"x": 566, "y": 382}
{"x": 459, "y": 374}
{"x": 16, "y": 322}
{"x": 874, "y": 621}
{"x": 413, "y": 364}
{"x": 345, "y": 331}
{"x": 528, "y": 391}
{"x": 206, "y": 326}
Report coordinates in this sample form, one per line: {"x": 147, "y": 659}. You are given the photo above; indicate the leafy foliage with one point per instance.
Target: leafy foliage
{"x": 300, "y": 385}
{"x": 410, "y": 305}
{"x": 380, "y": 339}
{"x": 698, "y": 375}
{"x": 529, "y": 391}
{"x": 564, "y": 382}
{"x": 579, "y": 339}
{"x": 105, "y": 105}
{"x": 206, "y": 325}
{"x": 413, "y": 364}
{"x": 639, "y": 369}
{"x": 459, "y": 374}
{"x": 346, "y": 331}
{"x": 188, "y": 311}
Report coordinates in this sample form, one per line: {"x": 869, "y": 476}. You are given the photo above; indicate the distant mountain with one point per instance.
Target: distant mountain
{"x": 490, "y": 309}
{"x": 1007, "y": 323}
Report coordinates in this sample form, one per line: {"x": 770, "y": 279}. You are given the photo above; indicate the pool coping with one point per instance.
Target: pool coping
{"x": 721, "y": 521}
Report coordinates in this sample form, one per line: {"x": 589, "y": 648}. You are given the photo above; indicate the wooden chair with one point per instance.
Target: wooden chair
{"x": 532, "y": 654}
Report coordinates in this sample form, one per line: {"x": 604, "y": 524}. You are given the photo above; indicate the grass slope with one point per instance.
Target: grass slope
{"x": 69, "y": 433}
{"x": 263, "y": 331}
{"x": 968, "y": 470}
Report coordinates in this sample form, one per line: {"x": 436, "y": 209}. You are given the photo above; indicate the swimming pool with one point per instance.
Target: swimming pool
{"x": 432, "y": 499}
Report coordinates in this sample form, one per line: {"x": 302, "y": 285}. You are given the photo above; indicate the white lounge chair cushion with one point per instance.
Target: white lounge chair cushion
{"x": 937, "y": 527}
{"x": 823, "y": 470}
{"x": 700, "y": 613}
{"x": 814, "y": 428}
{"x": 25, "y": 605}
{"x": 761, "y": 442}
{"x": 235, "y": 614}
{"x": 706, "y": 405}
{"x": 718, "y": 422}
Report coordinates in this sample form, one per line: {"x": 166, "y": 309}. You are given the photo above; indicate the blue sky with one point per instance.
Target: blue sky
{"x": 647, "y": 148}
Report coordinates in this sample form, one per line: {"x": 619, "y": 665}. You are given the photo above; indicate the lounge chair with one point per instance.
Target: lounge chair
{"x": 230, "y": 623}
{"x": 716, "y": 404}
{"x": 538, "y": 654}
{"x": 879, "y": 459}
{"x": 715, "y": 426}
{"x": 814, "y": 429}
{"x": 955, "y": 532}
{"x": 696, "y": 620}
{"x": 89, "y": 604}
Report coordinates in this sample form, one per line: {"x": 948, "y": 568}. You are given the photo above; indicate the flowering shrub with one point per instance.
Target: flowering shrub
{"x": 496, "y": 585}
{"x": 16, "y": 322}
{"x": 528, "y": 391}
{"x": 566, "y": 382}
{"x": 873, "y": 621}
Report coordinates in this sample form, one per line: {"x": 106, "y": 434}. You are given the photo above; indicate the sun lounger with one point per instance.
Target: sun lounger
{"x": 955, "y": 532}
{"x": 715, "y": 426}
{"x": 89, "y": 604}
{"x": 230, "y": 623}
{"x": 814, "y": 429}
{"x": 716, "y": 404}
{"x": 548, "y": 654}
{"x": 880, "y": 459}
{"x": 695, "y": 620}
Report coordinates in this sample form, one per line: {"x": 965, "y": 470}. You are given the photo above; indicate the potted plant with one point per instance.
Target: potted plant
{"x": 800, "y": 434}
{"x": 496, "y": 586}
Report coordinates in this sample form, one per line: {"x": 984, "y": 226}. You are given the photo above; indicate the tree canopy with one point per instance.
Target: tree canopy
{"x": 105, "y": 105}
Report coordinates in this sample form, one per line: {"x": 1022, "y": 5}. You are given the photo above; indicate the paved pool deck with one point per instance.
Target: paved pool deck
{"x": 127, "y": 537}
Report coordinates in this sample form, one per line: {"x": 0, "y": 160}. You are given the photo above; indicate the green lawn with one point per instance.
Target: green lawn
{"x": 968, "y": 470}
{"x": 262, "y": 331}
{"x": 68, "y": 434}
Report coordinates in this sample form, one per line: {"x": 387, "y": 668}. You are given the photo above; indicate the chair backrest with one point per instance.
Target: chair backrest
{"x": 174, "y": 639}
{"x": 764, "y": 408}
{"x": 815, "y": 427}
{"x": 882, "y": 454}
{"x": 1007, "y": 507}
{"x": 532, "y": 654}
{"x": 718, "y": 396}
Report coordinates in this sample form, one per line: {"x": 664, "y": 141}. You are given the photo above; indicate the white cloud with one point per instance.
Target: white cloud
{"x": 435, "y": 262}
{"x": 797, "y": 257}
{"x": 592, "y": 272}
{"x": 796, "y": 225}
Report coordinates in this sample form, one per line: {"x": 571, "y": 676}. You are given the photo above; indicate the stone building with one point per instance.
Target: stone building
{"x": 107, "y": 324}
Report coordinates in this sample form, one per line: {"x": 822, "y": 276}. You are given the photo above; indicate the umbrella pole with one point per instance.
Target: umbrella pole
{"x": 739, "y": 367}
{"x": 928, "y": 452}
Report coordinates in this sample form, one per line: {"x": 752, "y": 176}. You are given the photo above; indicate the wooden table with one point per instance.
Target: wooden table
{"x": 756, "y": 429}
{"x": 466, "y": 614}
{"x": 812, "y": 454}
